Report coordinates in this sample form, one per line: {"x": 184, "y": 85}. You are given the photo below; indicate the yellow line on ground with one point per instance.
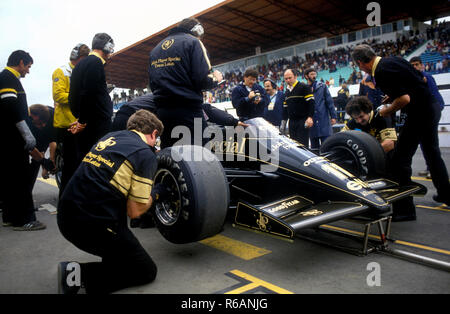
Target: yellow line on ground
{"x": 419, "y": 246}
{"x": 237, "y": 248}
{"x": 421, "y": 179}
{"x": 424, "y": 247}
{"x": 255, "y": 282}
{"x": 434, "y": 208}
{"x": 50, "y": 181}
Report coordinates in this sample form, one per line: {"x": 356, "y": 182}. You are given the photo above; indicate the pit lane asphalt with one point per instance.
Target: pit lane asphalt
{"x": 240, "y": 261}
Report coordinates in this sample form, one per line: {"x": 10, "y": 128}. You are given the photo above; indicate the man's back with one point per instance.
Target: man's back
{"x": 178, "y": 69}
{"x": 88, "y": 97}
{"x": 102, "y": 182}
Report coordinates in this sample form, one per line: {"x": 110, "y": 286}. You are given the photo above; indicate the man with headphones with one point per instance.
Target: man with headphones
{"x": 274, "y": 110}
{"x": 89, "y": 99}
{"x": 179, "y": 72}
{"x": 63, "y": 116}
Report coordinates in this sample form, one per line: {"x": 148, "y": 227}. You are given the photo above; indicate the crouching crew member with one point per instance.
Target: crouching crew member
{"x": 41, "y": 125}
{"x": 114, "y": 180}
{"x": 364, "y": 118}
{"x": 179, "y": 72}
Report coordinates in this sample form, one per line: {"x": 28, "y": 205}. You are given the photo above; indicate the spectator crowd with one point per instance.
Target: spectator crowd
{"x": 333, "y": 60}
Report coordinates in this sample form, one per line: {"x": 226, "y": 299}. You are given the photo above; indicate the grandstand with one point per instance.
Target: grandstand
{"x": 273, "y": 35}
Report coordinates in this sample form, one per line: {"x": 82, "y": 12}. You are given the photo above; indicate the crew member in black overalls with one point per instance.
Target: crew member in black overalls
{"x": 113, "y": 181}
{"x": 406, "y": 89}
{"x": 89, "y": 98}
{"x": 18, "y": 143}
{"x": 179, "y": 72}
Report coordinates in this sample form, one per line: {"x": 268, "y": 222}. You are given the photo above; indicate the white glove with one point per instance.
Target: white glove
{"x": 28, "y": 137}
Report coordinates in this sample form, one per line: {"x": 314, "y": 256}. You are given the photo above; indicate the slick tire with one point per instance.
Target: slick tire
{"x": 357, "y": 152}
{"x": 199, "y": 198}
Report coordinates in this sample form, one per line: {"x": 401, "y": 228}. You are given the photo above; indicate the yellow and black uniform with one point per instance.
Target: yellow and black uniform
{"x": 17, "y": 196}
{"x": 92, "y": 212}
{"x": 299, "y": 103}
{"x": 377, "y": 126}
{"x": 63, "y": 117}
{"x": 61, "y": 87}
{"x": 90, "y": 102}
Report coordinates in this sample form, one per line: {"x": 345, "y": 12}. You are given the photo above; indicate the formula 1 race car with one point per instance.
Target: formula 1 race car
{"x": 270, "y": 183}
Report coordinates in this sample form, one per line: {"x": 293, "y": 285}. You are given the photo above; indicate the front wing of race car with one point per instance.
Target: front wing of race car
{"x": 286, "y": 217}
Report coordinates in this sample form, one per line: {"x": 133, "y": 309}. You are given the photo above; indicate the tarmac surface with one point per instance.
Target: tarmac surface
{"x": 241, "y": 262}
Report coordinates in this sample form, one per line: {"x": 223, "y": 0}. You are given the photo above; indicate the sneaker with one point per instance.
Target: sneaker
{"x": 66, "y": 284}
{"x": 423, "y": 173}
{"x": 31, "y": 226}
{"x": 439, "y": 199}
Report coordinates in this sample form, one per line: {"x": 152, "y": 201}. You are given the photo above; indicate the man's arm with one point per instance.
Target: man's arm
{"x": 60, "y": 94}
{"x": 309, "y": 97}
{"x": 201, "y": 68}
{"x": 219, "y": 116}
{"x": 396, "y": 105}
{"x": 388, "y": 145}
{"x": 135, "y": 209}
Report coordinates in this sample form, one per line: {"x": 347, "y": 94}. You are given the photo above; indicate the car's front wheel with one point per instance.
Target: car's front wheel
{"x": 199, "y": 197}
{"x": 357, "y": 152}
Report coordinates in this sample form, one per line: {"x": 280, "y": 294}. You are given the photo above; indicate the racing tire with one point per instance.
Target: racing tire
{"x": 357, "y": 152}
{"x": 199, "y": 198}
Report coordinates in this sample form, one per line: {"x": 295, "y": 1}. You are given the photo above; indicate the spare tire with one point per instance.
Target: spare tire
{"x": 200, "y": 195}
{"x": 357, "y": 152}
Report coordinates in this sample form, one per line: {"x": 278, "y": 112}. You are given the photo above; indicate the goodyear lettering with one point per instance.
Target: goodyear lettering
{"x": 284, "y": 205}
{"x": 360, "y": 153}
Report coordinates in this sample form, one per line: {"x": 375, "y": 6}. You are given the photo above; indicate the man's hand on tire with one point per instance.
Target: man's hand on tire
{"x": 160, "y": 192}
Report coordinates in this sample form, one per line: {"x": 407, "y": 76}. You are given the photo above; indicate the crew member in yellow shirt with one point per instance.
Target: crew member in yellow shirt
{"x": 63, "y": 117}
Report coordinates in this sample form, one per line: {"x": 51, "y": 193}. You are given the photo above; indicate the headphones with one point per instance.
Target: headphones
{"x": 75, "y": 52}
{"x": 198, "y": 30}
{"x": 109, "y": 47}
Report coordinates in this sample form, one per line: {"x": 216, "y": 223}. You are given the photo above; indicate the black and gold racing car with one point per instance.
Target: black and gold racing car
{"x": 268, "y": 182}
